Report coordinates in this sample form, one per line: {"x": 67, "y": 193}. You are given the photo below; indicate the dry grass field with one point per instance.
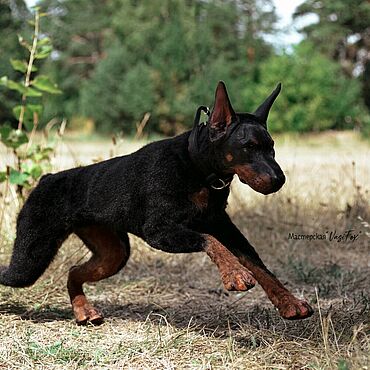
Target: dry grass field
{"x": 171, "y": 312}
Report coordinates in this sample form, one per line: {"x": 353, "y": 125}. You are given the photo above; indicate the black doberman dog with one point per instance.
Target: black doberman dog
{"x": 171, "y": 193}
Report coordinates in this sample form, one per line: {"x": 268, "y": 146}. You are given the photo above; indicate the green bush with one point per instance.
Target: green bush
{"x": 31, "y": 160}
{"x": 316, "y": 94}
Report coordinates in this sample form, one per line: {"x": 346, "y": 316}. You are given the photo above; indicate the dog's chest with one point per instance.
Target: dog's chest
{"x": 209, "y": 202}
{"x": 200, "y": 199}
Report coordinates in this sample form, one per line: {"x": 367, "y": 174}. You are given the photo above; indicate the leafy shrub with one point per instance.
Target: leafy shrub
{"x": 31, "y": 160}
{"x": 316, "y": 94}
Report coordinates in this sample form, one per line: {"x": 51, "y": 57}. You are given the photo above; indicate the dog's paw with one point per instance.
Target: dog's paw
{"x": 87, "y": 314}
{"x": 238, "y": 279}
{"x": 295, "y": 309}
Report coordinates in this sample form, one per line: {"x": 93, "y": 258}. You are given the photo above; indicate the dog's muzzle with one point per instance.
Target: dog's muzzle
{"x": 261, "y": 182}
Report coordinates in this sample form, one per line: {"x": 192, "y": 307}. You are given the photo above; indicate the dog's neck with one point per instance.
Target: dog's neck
{"x": 204, "y": 157}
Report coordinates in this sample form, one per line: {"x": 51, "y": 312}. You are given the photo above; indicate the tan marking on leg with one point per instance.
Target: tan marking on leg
{"x": 233, "y": 274}
{"x": 289, "y": 307}
{"x": 109, "y": 255}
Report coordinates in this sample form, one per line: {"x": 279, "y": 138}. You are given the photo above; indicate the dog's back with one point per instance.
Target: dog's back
{"x": 115, "y": 192}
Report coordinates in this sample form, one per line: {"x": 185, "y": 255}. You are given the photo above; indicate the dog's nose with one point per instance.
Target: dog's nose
{"x": 277, "y": 181}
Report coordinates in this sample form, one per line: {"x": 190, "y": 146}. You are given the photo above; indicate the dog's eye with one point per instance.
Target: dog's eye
{"x": 250, "y": 145}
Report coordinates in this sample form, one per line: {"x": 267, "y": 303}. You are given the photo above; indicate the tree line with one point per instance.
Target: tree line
{"x": 118, "y": 60}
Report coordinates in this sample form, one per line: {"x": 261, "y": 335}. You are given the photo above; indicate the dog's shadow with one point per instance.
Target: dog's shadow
{"x": 217, "y": 320}
{"x": 36, "y": 315}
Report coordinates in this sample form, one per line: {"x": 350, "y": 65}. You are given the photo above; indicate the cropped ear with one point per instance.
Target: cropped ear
{"x": 263, "y": 110}
{"x": 222, "y": 113}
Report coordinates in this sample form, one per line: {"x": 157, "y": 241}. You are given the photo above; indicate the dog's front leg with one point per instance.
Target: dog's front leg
{"x": 175, "y": 238}
{"x": 289, "y": 306}
{"x": 233, "y": 274}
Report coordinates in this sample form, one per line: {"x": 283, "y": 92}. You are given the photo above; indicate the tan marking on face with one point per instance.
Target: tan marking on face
{"x": 229, "y": 157}
{"x": 258, "y": 182}
{"x": 200, "y": 198}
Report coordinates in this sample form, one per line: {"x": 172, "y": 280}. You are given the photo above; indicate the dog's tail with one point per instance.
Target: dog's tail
{"x": 32, "y": 253}
{"x": 27, "y": 264}
{"x": 39, "y": 236}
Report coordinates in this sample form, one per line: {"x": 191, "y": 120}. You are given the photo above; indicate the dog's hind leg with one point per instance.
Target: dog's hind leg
{"x": 110, "y": 253}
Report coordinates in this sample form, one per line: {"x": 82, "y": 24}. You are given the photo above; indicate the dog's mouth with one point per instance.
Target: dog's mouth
{"x": 262, "y": 183}
{"x": 259, "y": 184}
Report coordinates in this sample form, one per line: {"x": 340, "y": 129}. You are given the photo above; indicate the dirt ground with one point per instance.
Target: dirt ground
{"x": 171, "y": 311}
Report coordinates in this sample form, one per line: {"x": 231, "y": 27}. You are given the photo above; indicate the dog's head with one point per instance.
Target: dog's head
{"x": 244, "y": 146}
